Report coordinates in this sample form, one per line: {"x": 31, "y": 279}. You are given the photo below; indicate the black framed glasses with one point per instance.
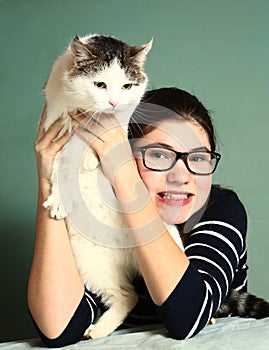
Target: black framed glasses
{"x": 159, "y": 158}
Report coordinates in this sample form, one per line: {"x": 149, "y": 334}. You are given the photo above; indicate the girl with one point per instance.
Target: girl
{"x": 170, "y": 161}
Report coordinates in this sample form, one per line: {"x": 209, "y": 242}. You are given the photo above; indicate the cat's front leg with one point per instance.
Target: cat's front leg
{"x": 113, "y": 317}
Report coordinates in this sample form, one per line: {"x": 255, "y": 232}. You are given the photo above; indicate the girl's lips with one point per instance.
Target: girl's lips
{"x": 174, "y": 198}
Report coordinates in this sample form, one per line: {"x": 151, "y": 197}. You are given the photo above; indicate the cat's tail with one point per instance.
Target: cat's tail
{"x": 243, "y": 304}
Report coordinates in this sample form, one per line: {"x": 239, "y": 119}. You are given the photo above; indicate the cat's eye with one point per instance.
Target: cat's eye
{"x": 100, "y": 84}
{"x": 127, "y": 86}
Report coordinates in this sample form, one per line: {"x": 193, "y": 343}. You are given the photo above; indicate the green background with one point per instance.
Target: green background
{"x": 215, "y": 49}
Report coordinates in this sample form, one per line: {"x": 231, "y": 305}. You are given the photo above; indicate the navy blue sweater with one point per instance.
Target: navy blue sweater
{"x": 216, "y": 248}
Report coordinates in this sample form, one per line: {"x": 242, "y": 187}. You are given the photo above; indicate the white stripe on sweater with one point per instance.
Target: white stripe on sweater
{"x": 221, "y": 223}
{"x": 88, "y": 296}
{"x": 212, "y": 263}
{"x": 92, "y": 312}
{"x": 221, "y": 237}
{"x": 242, "y": 285}
{"x": 219, "y": 252}
{"x": 217, "y": 284}
{"x": 244, "y": 253}
{"x": 196, "y": 324}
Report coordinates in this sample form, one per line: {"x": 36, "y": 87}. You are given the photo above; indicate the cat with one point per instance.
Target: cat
{"x": 97, "y": 73}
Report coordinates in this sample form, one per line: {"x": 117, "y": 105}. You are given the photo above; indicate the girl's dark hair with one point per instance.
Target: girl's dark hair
{"x": 179, "y": 103}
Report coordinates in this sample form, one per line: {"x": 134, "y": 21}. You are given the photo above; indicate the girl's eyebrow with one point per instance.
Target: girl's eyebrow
{"x": 199, "y": 149}
{"x": 159, "y": 144}
{"x": 162, "y": 144}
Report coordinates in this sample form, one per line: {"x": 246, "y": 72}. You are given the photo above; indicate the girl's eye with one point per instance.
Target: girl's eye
{"x": 100, "y": 84}
{"x": 158, "y": 155}
{"x": 127, "y": 86}
{"x": 199, "y": 158}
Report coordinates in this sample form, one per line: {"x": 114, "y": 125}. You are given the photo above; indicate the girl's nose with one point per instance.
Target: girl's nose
{"x": 179, "y": 173}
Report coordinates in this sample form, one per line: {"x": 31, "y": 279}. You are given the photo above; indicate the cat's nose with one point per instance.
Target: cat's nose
{"x": 113, "y": 103}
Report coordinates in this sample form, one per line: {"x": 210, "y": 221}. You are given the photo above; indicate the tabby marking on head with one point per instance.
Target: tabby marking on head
{"x": 98, "y": 74}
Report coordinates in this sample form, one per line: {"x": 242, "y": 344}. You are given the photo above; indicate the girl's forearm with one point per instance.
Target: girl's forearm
{"x": 55, "y": 285}
{"x": 161, "y": 261}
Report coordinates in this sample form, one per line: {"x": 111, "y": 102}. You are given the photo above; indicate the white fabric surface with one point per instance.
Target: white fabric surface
{"x": 226, "y": 334}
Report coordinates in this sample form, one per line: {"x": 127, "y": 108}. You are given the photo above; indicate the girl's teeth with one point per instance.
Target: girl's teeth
{"x": 175, "y": 196}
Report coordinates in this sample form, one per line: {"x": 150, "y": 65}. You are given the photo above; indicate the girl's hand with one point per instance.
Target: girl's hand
{"x": 47, "y": 146}
{"x": 109, "y": 140}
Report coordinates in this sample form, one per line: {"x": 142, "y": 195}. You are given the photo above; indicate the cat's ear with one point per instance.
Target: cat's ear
{"x": 80, "y": 51}
{"x": 139, "y": 53}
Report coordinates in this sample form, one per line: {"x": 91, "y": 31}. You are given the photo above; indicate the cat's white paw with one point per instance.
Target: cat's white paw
{"x": 55, "y": 207}
{"x": 100, "y": 329}
{"x": 91, "y": 333}
{"x": 113, "y": 317}
{"x": 212, "y": 321}
{"x": 90, "y": 161}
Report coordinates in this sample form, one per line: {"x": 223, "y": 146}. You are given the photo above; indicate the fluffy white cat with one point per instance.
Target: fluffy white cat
{"x": 98, "y": 74}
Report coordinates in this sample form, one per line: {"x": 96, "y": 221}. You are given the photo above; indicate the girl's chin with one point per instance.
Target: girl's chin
{"x": 175, "y": 218}
{"x": 173, "y": 214}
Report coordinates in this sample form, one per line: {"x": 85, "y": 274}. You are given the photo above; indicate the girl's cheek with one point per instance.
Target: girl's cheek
{"x": 149, "y": 183}
{"x": 203, "y": 185}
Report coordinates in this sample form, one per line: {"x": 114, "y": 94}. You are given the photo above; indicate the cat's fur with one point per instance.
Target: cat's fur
{"x": 240, "y": 303}
{"x": 107, "y": 272}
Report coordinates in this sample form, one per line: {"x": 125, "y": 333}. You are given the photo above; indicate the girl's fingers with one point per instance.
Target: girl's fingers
{"x": 41, "y": 130}
{"x": 61, "y": 141}
{"x": 43, "y": 117}
{"x": 51, "y": 133}
{"x": 97, "y": 123}
{"x": 89, "y": 129}
{"x": 79, "y": 117}
{"x": 86, "y": 134}
{"x": 93, "y": 128}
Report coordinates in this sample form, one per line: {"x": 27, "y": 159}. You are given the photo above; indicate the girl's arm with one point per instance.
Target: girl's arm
{"x": 188, "y": 288}
{"x": 161, "y": 261}
{"x": 55, "y": 286}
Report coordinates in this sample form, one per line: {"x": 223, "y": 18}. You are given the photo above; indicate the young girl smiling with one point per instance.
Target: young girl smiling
{"x": 169, "y": 161}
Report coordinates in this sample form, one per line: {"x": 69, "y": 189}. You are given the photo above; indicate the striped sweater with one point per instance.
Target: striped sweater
{"x": 216, "y": 248}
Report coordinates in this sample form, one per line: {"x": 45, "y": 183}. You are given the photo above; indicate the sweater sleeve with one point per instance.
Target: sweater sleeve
{"x": 83, "y": 317}
{"x": 216, "y": 249}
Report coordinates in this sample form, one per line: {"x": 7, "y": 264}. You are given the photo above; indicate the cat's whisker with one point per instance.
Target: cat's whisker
{"x": 139, "y": 127}
{"x": 70, "y": 92}
{"x": 140, "y": 117}
{"x": 152, "y": 110}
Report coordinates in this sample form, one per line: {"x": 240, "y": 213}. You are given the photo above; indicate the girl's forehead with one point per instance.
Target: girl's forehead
{"x": 184, "y": 134}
